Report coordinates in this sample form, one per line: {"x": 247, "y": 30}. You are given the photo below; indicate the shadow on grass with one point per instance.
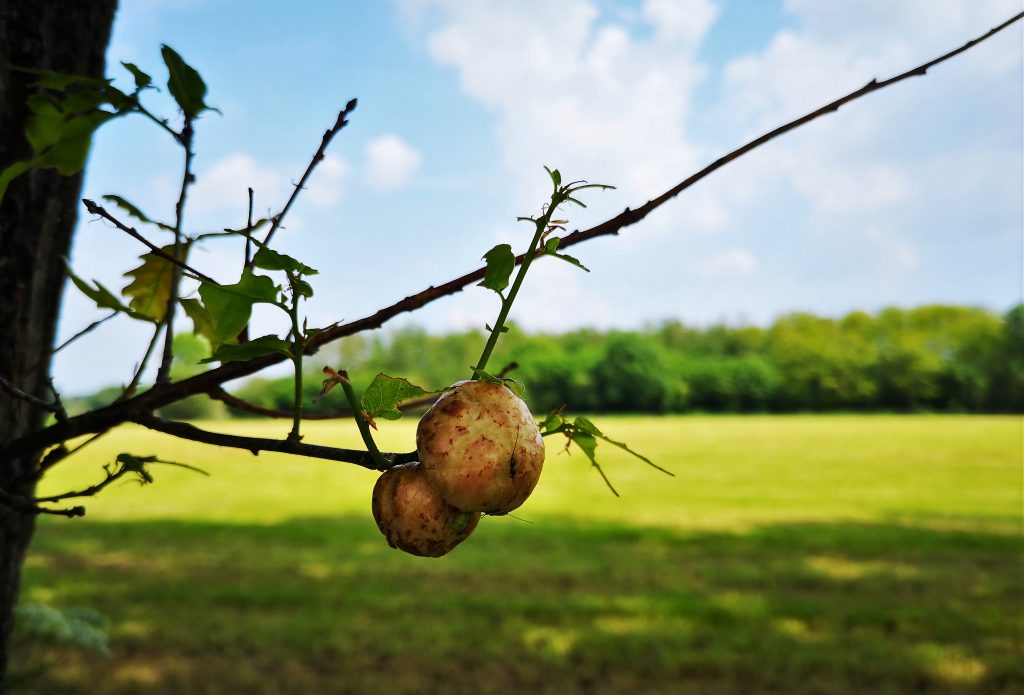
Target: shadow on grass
{"x": 322, "y": 605}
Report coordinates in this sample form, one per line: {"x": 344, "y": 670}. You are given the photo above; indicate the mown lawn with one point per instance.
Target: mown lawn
{"x": 816, "y": 554}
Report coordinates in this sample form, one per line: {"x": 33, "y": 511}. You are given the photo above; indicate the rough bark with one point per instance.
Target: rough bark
{"x": 37, "y": 218}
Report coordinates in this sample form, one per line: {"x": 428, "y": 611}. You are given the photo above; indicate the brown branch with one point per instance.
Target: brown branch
{"x": 255, "y": 445}
{"x": 28, "y": 506}
{"x": 54, "y": 407}
{"x": 317, "y": 158}
{"x": 95, "y": 209}
{"x": 218, "y": 393}
{"x": 92, "y": 326}
{"x": 165, "y": 394}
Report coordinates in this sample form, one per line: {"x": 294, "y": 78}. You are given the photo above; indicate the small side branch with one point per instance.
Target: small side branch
{"x": 163, "y": 374}
{"x": 95, "y": 209}
{"x": 218, "y": 393}
{"x": 255, "y": 445}
{"x": 340, "y": 123}
{"x": 27, "y": 505}
{"x": 55, "y": 407}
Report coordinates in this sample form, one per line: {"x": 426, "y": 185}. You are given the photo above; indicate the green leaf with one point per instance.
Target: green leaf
{"x": 63, "y": 145}
{"x": 500, "y": 264}
{"x": 202, "y": 322}
{"x": 104, "y": 298}
{"x": 229, "y": 307}
{"x": 384, "y": 393}
{"x": 257, "y": 347}
{"x": 59, "y": 126}
{"x": 553, "y": 421}
{"x": 150, "y": 288}
{"x": 184, "y": 83}
{"x": 585, "y": 426}
{"x": 556, "y": 176}
{"x": 551, "y": 245}
{"x": 59, "y": 81}
{"x": 268, "y": 259}
{"x": 135, "y": 212}
{"x": 514, "y": 385}
{"x": 570, "y": 259}
{"x": 142, "y": 80}
{"x": 588, "y": 445}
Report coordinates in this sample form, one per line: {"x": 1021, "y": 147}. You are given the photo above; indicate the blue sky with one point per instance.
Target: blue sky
{"x": 912, "y": 195}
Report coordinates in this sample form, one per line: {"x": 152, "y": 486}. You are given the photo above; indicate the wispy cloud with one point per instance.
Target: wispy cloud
{"x": 391, "y": 162}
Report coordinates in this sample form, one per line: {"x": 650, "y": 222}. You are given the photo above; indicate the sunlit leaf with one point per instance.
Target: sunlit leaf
{"x": 584, "y": 425}
{"x": 500, "y": 264}
{"x": 150, "y": 288}
{"x": 384, "y": 393}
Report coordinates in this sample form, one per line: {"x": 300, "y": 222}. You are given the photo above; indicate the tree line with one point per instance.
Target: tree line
{"x": 931, "y": 358}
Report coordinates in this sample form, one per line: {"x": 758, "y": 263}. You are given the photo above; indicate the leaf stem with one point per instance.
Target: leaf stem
{"x": 507, "y": 300}
{"x": 362, "y": 424}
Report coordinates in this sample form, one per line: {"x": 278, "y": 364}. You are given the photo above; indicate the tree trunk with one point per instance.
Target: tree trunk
{"x": 37, "y": 218}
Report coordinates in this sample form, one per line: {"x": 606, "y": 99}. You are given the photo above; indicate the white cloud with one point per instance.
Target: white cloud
{"x": 731, "y": 264}
{"x": 588, "y": 97}
{"x": 391, "y": 162}
{"x": 222, "y": 186}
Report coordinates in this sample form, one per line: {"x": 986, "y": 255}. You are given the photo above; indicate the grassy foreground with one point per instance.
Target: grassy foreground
{"x": 789, "y": 554}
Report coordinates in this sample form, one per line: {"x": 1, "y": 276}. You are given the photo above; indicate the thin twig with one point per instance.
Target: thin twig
{"x": 129, "y": 390}
{"x": 26, "y": 505}
{"x": 232, "y": 401}
{"x": 162, "y": 395}
{"x": 95, "y": 209}
{"x": 248, "y": 232}
{"x": 255, "y": 445}
{"x": 9, "y": 387}
{"x": 163, "y": 374}
{"x": 243, "y": 337}
{"x": 317, "y": 158}
{"x": 92, "y": 326}
{"x": 62, "y": 452}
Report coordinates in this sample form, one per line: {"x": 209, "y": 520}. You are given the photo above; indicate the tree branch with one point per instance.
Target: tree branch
{"x": 231, "y": 401}
{"x": 163, "y": 374}
{"x": 255, "y": 445}
{"x": 28, "y": 506}
{"x": 165, "y": 394}
{"x": 317, "y": 158}
{"x": 95, "y": 209}
{"x": 54, "y": 407}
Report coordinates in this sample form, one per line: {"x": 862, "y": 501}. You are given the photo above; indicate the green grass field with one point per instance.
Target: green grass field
{"x": 845, "y": 554}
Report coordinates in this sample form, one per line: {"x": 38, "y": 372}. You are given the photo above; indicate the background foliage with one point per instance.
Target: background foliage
{"x": 931, "y": 358}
